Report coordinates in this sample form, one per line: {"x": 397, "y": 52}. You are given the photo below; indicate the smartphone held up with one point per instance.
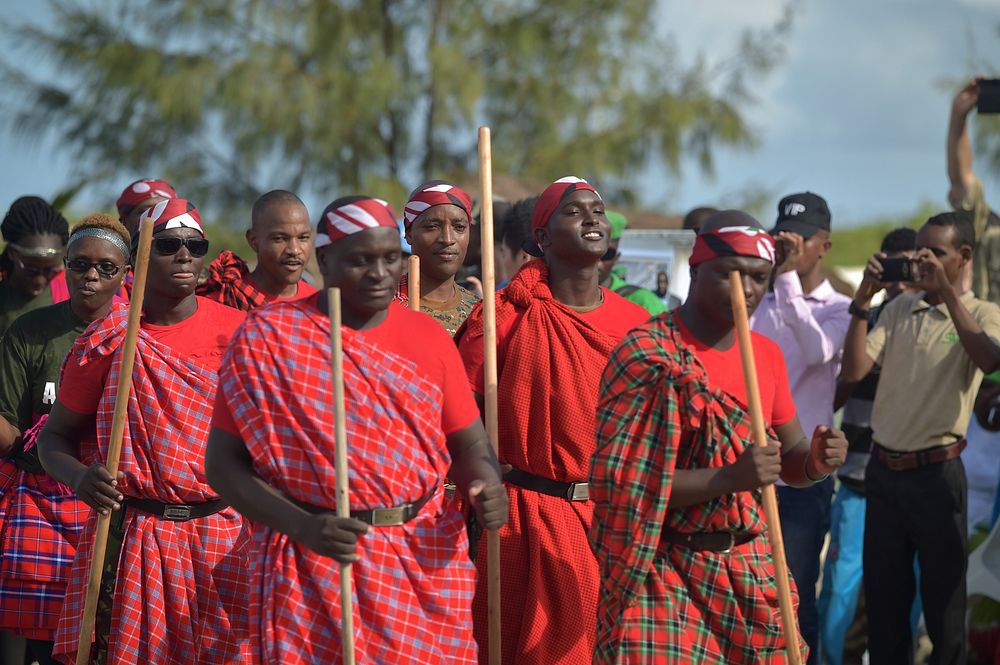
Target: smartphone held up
{"x": 989, "y": 96}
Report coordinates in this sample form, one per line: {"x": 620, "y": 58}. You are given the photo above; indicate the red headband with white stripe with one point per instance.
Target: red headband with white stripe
{"x": 732, "y": 241}
{"x": 352, "y": 214}
{"x": 436, "y": 193}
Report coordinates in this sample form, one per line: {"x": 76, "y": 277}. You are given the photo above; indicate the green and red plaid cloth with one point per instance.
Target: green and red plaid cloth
{"x": 658, "y": 412}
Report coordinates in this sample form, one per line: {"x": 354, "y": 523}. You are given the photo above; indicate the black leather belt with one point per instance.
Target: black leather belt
{"x": 394, "y": 516}
{"x": 712, "y": 541}
{"x": 177, "y": 512}
{"x": 568, "y": 491}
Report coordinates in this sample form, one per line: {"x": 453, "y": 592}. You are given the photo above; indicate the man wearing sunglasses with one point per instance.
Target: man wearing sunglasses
{"x": 282, "y": 238}
{"x": 173, "y": 539}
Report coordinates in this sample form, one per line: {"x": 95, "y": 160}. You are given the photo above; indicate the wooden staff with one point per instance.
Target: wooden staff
{"x": 413, "y": 283}
{"x": 490, "y": 376}
{"x": 89, "y": 617}
{"x": 769, "y": 497}
{"x": 340, "y": 460}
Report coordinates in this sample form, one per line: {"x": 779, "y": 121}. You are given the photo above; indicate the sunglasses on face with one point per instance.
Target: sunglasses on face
{"x": 35, "y": 271}
{"x": 169, "y": 245}
{"x": 105, "y": 269}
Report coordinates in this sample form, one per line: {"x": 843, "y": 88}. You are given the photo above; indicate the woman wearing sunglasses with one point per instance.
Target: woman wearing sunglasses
{"x": 42, "y": 518}
{"x": 172, "y": 539}
{"x": 31, "y": 263}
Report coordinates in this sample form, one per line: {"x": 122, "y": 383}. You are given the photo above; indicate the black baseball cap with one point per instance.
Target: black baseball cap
{"x": 804, "y": 213}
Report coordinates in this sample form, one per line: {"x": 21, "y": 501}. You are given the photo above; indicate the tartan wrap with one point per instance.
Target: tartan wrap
{"x": 414, "y": 583}
{"x": 182, "y": 586}
{"x": 229, "y": 283}
{"x": 40, "y": 524}
{"x": 669, "y": 604}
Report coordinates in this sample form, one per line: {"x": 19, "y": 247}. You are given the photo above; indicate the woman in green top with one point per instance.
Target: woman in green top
{"x": 40, "y": 519}
{"x": 31, "y": 263}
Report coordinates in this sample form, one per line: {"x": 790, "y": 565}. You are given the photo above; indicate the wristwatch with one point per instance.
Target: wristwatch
{"x": 859, "y": 312}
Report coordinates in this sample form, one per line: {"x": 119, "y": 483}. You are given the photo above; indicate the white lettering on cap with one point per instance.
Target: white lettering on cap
{"x": 792, "y": 209}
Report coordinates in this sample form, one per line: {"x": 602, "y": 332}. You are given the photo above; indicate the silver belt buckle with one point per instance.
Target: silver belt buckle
{"x": 732, "y": 543}
{"x": 388, "y": 516}
{"x": 177, "y": 513}
{"x": 578, "y": 492}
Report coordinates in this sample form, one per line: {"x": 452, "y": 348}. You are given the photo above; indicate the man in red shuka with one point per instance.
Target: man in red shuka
{"x": 176, "y": 573}
{"x": 281, "y": 236}
{"x": 411, "y": 419}
{"x": 555, "y": 329}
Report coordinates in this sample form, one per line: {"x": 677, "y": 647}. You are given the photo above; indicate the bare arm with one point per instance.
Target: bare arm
{"x": 229, "y": 470}
{"x": 959, "y": 149}
{"x": 857, "y": 363}
{"x": 57, "y": 451}
{"x": 805, "y": 461}
{"x": 475, "y": 470}
{"x": 8, "y": 436}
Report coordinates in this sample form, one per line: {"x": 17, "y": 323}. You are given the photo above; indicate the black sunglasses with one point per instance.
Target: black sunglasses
{"x": 105, "y": 269}
{"x": 169, "y": 245}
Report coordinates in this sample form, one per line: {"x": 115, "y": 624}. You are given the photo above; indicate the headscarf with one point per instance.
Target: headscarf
{"x": 554, "y": 195}
{"x": 171, "y": 214}
{"x": 142, "y": 190}
{"x": 436, "y": 193}
{"x": 352, "y": 214}
{"x": 733, "y": 241}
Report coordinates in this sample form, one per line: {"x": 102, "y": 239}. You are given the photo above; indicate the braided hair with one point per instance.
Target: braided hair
{"x": 30, "y": 216}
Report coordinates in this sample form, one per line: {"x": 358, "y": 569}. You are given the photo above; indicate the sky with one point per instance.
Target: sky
{"x": 856, "y": 112}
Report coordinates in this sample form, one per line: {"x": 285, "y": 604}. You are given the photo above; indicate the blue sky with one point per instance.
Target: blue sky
{"x": 856, "y": 112}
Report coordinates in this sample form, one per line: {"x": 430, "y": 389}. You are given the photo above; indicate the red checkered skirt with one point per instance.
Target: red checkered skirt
{"x": 181, "y": 587}
{"x": 40, "y": 524}
{"x": 414, "y": 583}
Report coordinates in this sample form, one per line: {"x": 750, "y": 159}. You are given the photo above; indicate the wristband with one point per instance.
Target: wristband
{"x": 805, "y": 472}
{"x": 857, "y": 311}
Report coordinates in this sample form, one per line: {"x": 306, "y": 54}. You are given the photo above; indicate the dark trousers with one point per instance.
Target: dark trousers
{"x": 805, "y": 519}
{"x": 922, "y": 511}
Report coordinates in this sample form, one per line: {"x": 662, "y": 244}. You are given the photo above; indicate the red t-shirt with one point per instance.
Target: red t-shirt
{"x": 420, "y": 339}
{"x": 304, "y": 290}
{"x": 725, "y": 371}
{"x": 615, "y": 317}
{"x": 202, "y": 336}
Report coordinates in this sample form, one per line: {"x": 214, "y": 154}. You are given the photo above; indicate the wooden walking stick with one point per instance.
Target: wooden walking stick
{"x": 340, "y": 460}
{"x": 769, "y": 497}
{"x": 413, "y": 283}
{"x": 89, "y": 617}
{"x": 490, "y": 376}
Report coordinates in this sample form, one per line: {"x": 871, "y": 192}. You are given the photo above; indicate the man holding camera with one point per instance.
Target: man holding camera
{"x": 808, "y": 320}
{"x": 933, "y": 347}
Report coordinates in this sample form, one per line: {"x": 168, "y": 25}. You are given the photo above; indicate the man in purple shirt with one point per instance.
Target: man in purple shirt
{"x": 808, "y": 320}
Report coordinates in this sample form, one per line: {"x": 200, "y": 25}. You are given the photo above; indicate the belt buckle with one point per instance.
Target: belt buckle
{"x": 177, "y": 513}
{"x": 388, "y": 516}
{"x": 578, "y": 492}
{"x": 732, "y": 543}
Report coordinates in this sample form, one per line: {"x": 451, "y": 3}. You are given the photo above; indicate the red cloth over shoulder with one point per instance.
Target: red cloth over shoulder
{"x": 725, "y": 371}
{"x": 202, "y": 337}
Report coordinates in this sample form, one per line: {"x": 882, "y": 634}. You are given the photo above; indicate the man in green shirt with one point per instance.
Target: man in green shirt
{"x": 611, "y": 280}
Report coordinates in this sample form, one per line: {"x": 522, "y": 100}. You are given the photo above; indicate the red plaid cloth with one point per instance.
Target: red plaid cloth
{"x": 414, "y": 583}
{"x": 229, "y": 283}
{"x": 671, "y": 604}
{"x": 182, "y": 586}
{"x": 41, "y": 523}
{"x": 549, "y": 370}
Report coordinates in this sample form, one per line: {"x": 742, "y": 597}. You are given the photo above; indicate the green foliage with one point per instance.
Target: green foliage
{"x": 854, "y": 246}
{"x": 227, "y": 98}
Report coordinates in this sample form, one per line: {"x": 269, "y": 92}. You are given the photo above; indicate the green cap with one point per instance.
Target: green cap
{"x": 618, "y": 223}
